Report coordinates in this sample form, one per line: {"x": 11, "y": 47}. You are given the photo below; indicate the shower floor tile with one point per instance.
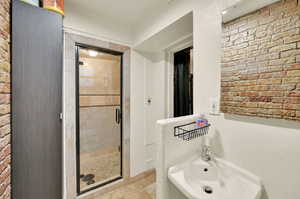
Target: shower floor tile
{"x": 104, "y": 166}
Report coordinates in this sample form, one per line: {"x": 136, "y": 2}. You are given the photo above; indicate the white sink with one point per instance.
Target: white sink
{"x": 217, "y": 179}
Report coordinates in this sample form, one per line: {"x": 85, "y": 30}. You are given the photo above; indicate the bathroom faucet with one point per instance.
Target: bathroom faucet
{"x": 206, "y": 154}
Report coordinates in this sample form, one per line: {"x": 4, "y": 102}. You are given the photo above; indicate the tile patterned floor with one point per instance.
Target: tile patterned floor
{"x": 104, "y": 165}
{"x": 143, "y": 188}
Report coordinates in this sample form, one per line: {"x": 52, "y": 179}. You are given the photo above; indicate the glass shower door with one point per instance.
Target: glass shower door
{"x": 99, "y": 147}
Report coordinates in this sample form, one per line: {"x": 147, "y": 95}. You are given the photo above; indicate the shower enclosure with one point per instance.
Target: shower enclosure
{"x": 99, "y": 117}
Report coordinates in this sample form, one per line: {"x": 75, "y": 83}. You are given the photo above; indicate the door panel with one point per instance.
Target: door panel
{"x": 99, "y": 118}
{"x": 36, "y": 103}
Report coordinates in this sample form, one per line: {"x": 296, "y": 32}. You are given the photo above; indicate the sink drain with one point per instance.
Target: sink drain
{"x": 208, "y": 189}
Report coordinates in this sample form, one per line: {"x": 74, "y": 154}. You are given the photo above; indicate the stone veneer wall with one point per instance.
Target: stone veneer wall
{"x": 5, "y": 157}
{"x": 261, "y": 63}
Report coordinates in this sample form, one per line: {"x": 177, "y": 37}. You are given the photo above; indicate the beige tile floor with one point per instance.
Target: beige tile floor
{"x": 104, "y": 165}
{"x": 143, "y": 188}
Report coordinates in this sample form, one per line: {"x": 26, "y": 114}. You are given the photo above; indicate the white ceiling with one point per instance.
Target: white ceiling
{"x": 128, "y": 11}
{"x": 123, "y": 19}
{"x": 180, "y": 29}
{"x": 124, "y": 12}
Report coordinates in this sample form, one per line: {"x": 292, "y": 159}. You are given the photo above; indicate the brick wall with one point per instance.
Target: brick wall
{"x": 261, "y": 63}
{"x": 5, "y": 99}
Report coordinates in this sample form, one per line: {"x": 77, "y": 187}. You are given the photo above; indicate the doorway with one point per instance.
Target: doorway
{"x": 98, "y": 117}
{"x": 183, "y": 82}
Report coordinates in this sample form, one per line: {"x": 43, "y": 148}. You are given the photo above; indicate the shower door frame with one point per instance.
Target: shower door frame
{"x": 120, "y": 116}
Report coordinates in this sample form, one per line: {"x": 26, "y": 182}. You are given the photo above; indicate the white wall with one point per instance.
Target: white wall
{"x": 147, "y": 82}
{"x": 207, "y": 54}
{"x": 172, "y": 151}
{"x": 268, "y": 148}
{"x": 137, "y": 112}
{"x": 143, "y": 157}
{"x": 155, "y": 90}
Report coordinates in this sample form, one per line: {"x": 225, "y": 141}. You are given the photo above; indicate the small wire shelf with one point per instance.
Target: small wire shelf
{"x": 190, "y": 131}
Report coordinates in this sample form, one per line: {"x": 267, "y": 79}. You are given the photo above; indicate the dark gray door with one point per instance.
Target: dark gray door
{"x": 37, "y": 42}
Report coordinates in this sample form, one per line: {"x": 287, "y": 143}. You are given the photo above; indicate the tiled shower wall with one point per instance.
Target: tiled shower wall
{"x": 100, "y": 97}
{"x": 261, "y": 63}
{"x": 5, "y": 99}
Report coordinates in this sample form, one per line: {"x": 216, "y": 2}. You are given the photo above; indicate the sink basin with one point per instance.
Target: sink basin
{"x": 217, "y": 179}
{"x": 198, "y": 171}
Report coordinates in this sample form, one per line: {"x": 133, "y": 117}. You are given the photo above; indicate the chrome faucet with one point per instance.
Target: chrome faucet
{"x": 206, "y": 153}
